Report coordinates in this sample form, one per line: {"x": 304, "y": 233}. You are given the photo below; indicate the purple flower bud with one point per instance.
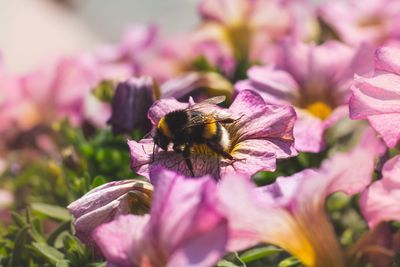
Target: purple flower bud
{"x": 131, "y": 101}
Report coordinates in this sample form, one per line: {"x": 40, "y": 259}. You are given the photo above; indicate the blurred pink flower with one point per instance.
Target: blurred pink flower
{"x": 261, "y": 134}
{"x": 6, "y": 199}
{"x": 290, "y": 213}
{"x": 249, "y": 29}
{"x": 315, "y": 80}
{"x": 183, "y": 228}
{"x": 106, "y": 202}
{"x": 377, "y": 98}
{"x": 58, "y": 90}
{"x": 373, "y": 21}
{"x": 174, "y": 59}
{"x": 133, "y": 50}
{"x": 381, "y": 201}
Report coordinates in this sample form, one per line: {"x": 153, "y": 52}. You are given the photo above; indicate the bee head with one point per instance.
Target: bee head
{"x": 161, "y": 140}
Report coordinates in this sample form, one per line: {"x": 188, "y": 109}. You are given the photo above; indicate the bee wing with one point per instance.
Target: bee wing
{"x": 208, "y": 118}
{"x": 215, "y": 100}
{"x": 208, "y": 103}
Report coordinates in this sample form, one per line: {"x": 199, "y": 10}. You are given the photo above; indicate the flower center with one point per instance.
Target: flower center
{"x": 319, "y": 109}
{"x": 238, "y": 36}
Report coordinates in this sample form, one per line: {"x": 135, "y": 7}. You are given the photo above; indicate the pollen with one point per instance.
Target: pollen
{"x": 319, "y": 109}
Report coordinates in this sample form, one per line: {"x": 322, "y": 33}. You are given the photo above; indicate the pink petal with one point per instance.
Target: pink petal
{"x": 276, "y": 84}
{"x": 205, "y": 250}
{"x": 120, "y": 240}
{"x": 387, "y": 126}
{"x": 388, "y": 59}
{"x": 381, "y": 201}
{"x": 182, "y": 210}
{"x": 222, "y": 11}
{"x": 161, "y": 107}
{"x": 308, "y": 133}
{"x": 352, "y": 172}
{"x": 374, "y": 96}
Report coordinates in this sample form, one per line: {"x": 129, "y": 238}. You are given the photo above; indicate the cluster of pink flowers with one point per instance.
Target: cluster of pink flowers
{"x": 290, "y": 96}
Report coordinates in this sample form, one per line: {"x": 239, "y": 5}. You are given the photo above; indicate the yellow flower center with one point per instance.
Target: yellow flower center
{"x": 319, "y": 109}
{"x": 238, "y": 37}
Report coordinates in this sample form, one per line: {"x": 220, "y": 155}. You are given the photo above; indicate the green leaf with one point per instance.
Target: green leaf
{"x": 49, "y": 252}
{"x": 62, "y": 263}
{"x": 19, "y": 246}
{"x": 53, "y": 236}
{"x": 258, "y": 253}
{"x": 289, "y": 262}
{"x": 55, "y": 212}
{"x": 19, "y": 220}
{"x": 97, "y": 181}
{"x": 225, "y": 263}
{"x": 231, "y": 260}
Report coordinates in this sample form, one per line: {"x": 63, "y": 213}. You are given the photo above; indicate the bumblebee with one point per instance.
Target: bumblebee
{"x": 198, "y": 124}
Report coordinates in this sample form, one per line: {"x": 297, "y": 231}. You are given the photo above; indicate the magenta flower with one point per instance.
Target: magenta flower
{"x": 183, "y": 228}
{"x": 290, "y": 213}
{"x": 315, "y": 80}
{"x": 261, "y": 134}
{"x": 377, "y": 98}
{"x": 381, "y": 201}
{"x": 106, "y": 202}
{"x": 373, "y": 21}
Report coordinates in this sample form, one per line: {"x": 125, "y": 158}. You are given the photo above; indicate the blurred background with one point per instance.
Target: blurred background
{"x": 37, "y": 31}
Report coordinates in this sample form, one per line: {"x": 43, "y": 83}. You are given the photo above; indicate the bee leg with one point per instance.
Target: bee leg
{"x": 186, "y": 156}
{"x": 219, "y": 150}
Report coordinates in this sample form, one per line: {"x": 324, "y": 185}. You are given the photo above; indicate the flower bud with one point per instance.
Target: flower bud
{"x": 130, "y": 103}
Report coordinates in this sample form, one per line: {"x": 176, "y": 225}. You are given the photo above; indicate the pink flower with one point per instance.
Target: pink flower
{"x": 172, "y": 59}
{"x": 250, "y": 29}
{"x": 57, "y": 90}
{"x": 377, "y": 98}
{"x": 106, "y": 202}
{"x": 261, "y": 134}
{"x": 315, "y": 80}
{"x": 183, "y": 228}
{"x": 372, "y": 21}
{"x": 381, "y": 201}
{"x": 131, "y": 53}
{"x": 290, "y": 213}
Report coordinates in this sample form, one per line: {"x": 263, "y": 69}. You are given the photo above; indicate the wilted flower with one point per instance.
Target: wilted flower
{"x": 261, "y": 134}
{"x": 105, "y": 202}
{"x": 130, "y": 103}
{"x": 355, "y": 22}
{"x": 315, "y": 80}
{"x": 381, "y": 201}
{"x": 290, "y": 213}
{"x": 183, "y": 228}
{"x": 377, "y": 98}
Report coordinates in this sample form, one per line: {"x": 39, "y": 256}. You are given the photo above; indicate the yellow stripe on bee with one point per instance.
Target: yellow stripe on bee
{"x": 210, "y": 130}
{"x": 162, "y": 124}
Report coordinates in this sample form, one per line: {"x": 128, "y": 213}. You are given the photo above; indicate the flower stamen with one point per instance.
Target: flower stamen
{"x": 319, "y": 109}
